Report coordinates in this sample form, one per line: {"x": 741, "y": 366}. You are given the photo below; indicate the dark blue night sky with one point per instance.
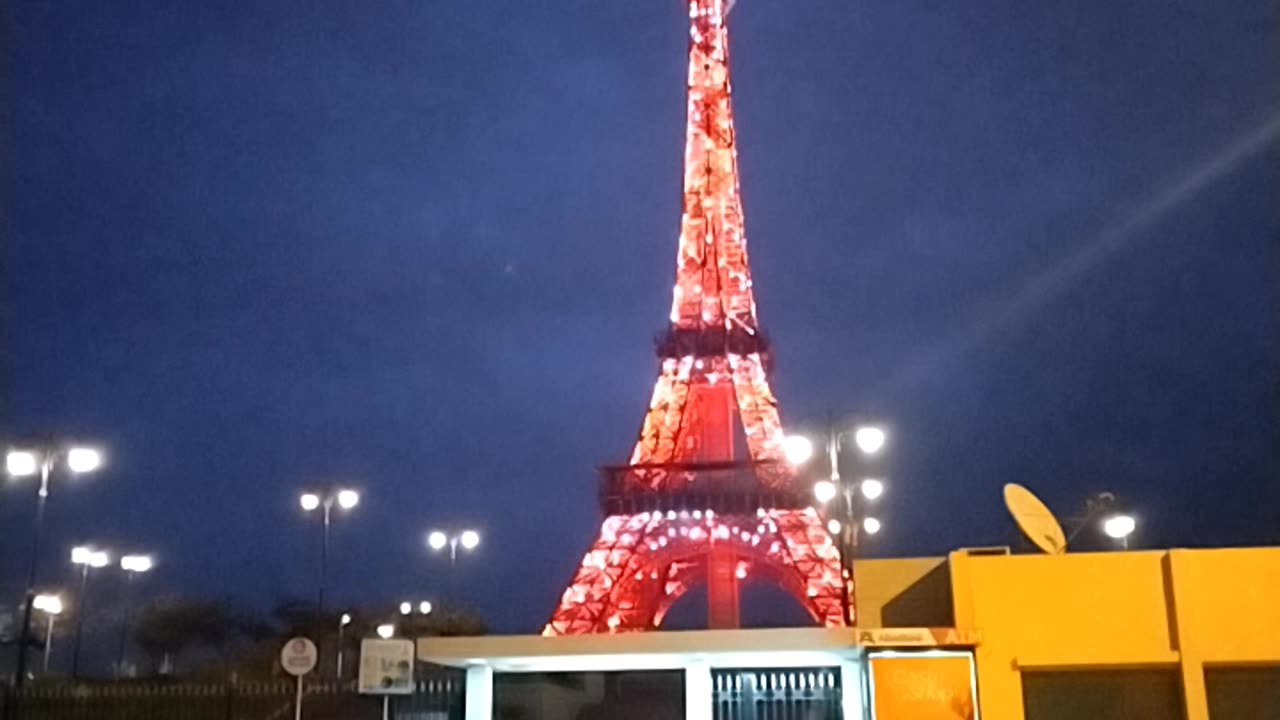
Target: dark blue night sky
{"x": 425, "y": 247}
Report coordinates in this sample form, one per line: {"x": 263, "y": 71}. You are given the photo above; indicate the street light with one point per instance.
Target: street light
{"x": 51, "y": 606}
{"x": 343, "y": 621}
{"x": 797, "y": 449}
{"x": 424, "y": 608}
{"x": 824, "y": 491}
{"x": 24, "y": 462}
{"x": 345, "y": 499}
{"x": 1120, "y": 526}
{"x": 386, "y": 631}
{"x": 87, "y": 558}
{"x": 131, "y": 565}
{"x": 437, "y": 540}
{"x": 870, "y": 439}
{"x": 871, "y": 525}
{"x": 872, "y": 488}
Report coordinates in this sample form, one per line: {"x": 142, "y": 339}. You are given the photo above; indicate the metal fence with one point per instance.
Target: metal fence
{"x": 800, "y": 694}
{"x": 438, "y": 697}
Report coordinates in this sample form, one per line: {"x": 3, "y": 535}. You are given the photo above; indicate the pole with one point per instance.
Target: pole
{"x": 124, "y": 625}
{"x": 46, "y": 467}
{"x": 341, "y": 627}
{"x": 386, "y": 707}
{"x": 82, "y": 600}
{"x": 48, "y": 641}
{"x": 324, "y": 554}
{"x": 297, "y": 707}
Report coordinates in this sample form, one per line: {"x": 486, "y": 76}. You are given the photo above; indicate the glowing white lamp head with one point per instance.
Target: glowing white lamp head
{"x": 469, "y": 539}
{"x": 872, "y": 488}
{"x": 437, "y": 540}
{"x": 80, "y": 555}
{"x": 869, "y": 439}
{"x": 20, "y": 463}
{"x": 348, "y": 499}
{"x": 824, "y": 490}
{"x": 1119, "y": 526}
{"x": 83, "y": 459}
{"x": 424, "y": 607}
{"x": 871, "y": 525}
{"x": 386, "y": 631}
{"x": 309, "y": 501}
{"x": 345, "y": 620}
{"x": 136, "y": 563}
{"x": 833, "y": 526}
{"x": 406, "y": 608}
{"x": 99, "y": 559}
{"x": 797, "y": 449}
{"x": 51, "y": 604}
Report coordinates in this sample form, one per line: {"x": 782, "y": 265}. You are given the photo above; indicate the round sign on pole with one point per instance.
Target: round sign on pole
{"x": 298, "y": 656}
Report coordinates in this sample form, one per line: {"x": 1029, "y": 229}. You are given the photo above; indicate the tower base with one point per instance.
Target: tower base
{"x": 642, "y": 563}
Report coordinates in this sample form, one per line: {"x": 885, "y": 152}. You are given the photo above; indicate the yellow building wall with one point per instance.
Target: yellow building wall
{"x": 1182, "y": 608}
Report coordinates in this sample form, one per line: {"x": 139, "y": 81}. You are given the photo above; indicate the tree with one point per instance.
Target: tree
{"x": 174, "y": 626}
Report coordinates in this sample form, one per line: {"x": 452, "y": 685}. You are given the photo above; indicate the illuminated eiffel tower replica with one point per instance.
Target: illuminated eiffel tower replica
{"x": 689, "y": 508}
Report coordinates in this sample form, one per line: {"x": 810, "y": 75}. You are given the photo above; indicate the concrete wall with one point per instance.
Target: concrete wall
{"x": 1179, "y": 609}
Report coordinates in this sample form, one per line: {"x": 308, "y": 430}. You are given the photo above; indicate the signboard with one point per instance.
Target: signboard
{"x": 386, "y": 667}
{"x": 917, "y": 637}
{"x": 934, "y": 685}
{"x": 298, "y": 656}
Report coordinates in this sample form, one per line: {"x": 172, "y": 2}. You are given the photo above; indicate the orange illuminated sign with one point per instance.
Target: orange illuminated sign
{"x": 923, "y": 686}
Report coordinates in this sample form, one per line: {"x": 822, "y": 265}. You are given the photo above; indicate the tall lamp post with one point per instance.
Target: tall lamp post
{"x": 439, "y": 539}
{"x": 131, "y": 565}
{"x": 43, "y": 462}
{"x": 51, "y": 606}
{"x": 850, "y": 517}
{"x": 87, "y": 558}
{"x": 345, "y": 499}
{"x": 21, "y": 463}
{"x": 343, "y": 621}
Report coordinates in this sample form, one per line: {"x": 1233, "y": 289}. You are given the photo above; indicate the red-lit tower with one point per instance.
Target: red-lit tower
{"x": 688, "y": 508}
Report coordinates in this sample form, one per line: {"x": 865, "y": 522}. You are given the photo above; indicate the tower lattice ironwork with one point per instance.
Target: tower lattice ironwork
{"x": 686, "y": 509}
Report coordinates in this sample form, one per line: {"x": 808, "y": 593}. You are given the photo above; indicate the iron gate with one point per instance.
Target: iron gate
{"x": 791, "y": 694}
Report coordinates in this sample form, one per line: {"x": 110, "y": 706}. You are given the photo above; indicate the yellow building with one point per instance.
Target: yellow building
{"x": 1179, "y": 634}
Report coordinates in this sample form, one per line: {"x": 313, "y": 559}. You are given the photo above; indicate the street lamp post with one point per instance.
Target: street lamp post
{"x": 1115, "y": 523}
{"x": 23, "y": 463}
{"x": 51, "y": 606}
{"x": 86, "y": 558}
{"x": 439, "y": 539}
{"x": 345, "y": 499}
{"x": 131, "y": 565}
{"x": 343, "y": 621}
{"x": 851, "y": 517}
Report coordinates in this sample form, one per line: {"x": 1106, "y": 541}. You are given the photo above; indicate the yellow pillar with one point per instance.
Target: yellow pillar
{"x": 1185, "y": 623}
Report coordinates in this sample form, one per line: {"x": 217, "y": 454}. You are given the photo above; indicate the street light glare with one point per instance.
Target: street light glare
{"x": 870, "y": 439}
{"x": 1119, "y": 526}
{"x": 833, "y": 526}
{"x": 348, "y": 499}
{"x": 345, "y": 619}
{"x": 437, "y": 540}
{"x": 309, "y": 501}
{"x": 470, "y": 539}
{"x": 80, "y": 555}
{"x": 824, "y": 490}
{"x": 797, "y": 449}
{"x": 136, "y": 563}
{"x": 99, "y": 559}
{"x": 872, "y": 488}
{"x": 406, "y": 608}
{"x": 83, "y": 459}
{"x": 51, "y": 604}
{"x": 385, "y": 631}
{"x": 424, "y": 607}
{"x": 871, "y": 525}
{"x": 20, "y": 463}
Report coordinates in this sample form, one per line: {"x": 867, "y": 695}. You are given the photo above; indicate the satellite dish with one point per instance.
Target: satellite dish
{"x": 1034, "y": 519}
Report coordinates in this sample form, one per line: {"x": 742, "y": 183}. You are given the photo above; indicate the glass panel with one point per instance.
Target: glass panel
{"x": 1243, "y": 693}
{"x": 657, "y": 695}
{"x": 1102, "y": 695}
